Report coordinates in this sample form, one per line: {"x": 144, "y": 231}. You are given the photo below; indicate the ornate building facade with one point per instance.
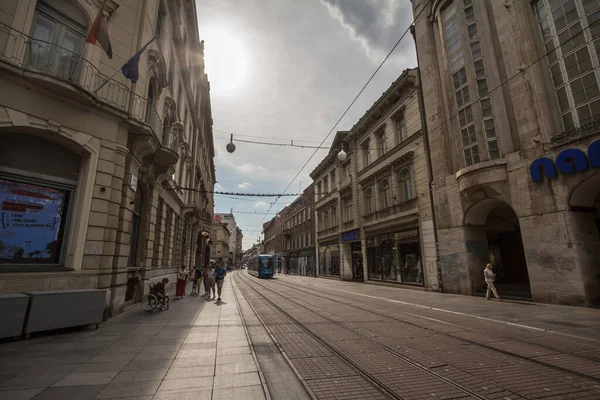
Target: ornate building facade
{"x": 373, "y": 205}
{"x": 104, "y": 182}
{"x": 512, "y": 102}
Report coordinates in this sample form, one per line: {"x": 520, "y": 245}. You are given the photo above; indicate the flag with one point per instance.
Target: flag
{"x": 130, "y": 69}
{"x": 99, "y": 33}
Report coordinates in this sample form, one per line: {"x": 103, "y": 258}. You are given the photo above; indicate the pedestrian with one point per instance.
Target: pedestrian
{"x": 490, "y": 277}
{"x": 198, "y": 279}
{"x": 220, "y": 278}
{"x": 210, "y": 281}
{"x": 193, "y": 278}
{"x": 181, "y": 279}
{"x": 205, "y": 280}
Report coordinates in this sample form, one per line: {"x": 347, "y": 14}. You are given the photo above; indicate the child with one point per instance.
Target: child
{"x": 194, "y": 286}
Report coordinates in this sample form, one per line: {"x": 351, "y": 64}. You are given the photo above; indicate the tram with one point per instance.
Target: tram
{"x": 262, "y": 265}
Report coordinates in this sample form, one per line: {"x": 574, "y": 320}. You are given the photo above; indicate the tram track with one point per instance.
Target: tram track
{"x": 565, "y": 380}
{"x": 315, "y": 293}
{"x": 377, "y": 382}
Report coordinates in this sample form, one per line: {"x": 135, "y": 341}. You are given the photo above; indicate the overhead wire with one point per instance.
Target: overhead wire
{"x": 350, "y": 106}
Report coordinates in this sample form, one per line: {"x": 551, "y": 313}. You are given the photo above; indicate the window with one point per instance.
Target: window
{"x": 326, "y": 219}
{"x": 333, "y": 182}
{"x": 400, "y": 128}
{"x": 319, "y": 192}
{"x": 405, "y": 184}
{"x": 366, "y": 152}
{"x": 384, "y": 194}
{"x": 381, "y": 143}
{"x": 368, "y": 201}
{"x": 571, "y": 34}
{"x": 325, "y": 186}
{"x": 309, "y": 213}
{"x": 334, "y": 216}
{"x": 320, "y": 221}
{"x": 157, "y": 232}
{"x": 34, "y": 218}
{"x": 135, "y": 227}
{"x": 347, "y": 213}
{"x": 57, "y": 39}
{"x": 460, "y": 85}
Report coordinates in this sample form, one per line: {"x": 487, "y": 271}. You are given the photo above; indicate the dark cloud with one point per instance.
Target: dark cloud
{"x": 376, "y": 25}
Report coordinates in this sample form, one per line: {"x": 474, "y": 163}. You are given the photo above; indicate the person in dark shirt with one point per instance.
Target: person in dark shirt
{"x": 160, "y": 292}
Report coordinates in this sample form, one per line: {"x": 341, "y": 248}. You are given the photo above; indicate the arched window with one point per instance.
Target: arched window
{"x": 58, "y": 33}
{"x": 405, "y": 184}
{"x": 384, "y": 194}
{"x": 368, "y": 201}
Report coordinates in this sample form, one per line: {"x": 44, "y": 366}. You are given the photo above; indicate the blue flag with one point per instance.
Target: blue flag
{"x": 130, "y": 69}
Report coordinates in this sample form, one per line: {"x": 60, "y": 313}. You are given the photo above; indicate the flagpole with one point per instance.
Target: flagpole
{"x": 85, "y": 42}
{"x": 117, "y": 71}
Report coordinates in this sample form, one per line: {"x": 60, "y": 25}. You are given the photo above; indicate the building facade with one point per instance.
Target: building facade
{"x": 374, "y": 215}
{"x": 512, "y": 103}
{"x": 298, "y": 235}
{"x": 219, "y": 249}
{"x": 229, "y": 220}
{"x": 104, "y": 183}
{"x": 239, "y": 237}
{"x": 273, "y": 240}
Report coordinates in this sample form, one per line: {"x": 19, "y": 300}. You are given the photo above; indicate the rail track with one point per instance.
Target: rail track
{"x": 382, "y": 386}
{"x": 586, "y": 381}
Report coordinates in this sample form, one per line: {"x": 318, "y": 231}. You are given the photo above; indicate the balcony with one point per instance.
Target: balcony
{"x": 64, "y": 72}
{"x": 399, "y": 208}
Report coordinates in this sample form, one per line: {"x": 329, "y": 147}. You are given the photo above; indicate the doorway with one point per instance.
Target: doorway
{"x": 506, "y": 252}
{"x": 357, "y": 262}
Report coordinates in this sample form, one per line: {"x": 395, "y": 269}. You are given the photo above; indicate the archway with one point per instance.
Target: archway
{"x": 497, "y": 226}
{"x": 584, "y": 210}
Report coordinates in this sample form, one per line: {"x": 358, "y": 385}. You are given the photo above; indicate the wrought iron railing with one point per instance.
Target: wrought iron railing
{"x": 49, "y": 59}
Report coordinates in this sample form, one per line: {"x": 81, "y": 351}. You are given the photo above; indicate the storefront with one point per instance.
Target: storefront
{"x": 395, "y": 257}
{"x": 329, "y": 260}
{"x": 352, "y": 250}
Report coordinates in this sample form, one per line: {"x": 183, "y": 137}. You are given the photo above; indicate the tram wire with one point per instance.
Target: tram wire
{"x": 363, "y": 337}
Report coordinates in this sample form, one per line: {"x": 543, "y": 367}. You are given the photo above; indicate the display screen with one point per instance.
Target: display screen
{"x": 31, "y": 222}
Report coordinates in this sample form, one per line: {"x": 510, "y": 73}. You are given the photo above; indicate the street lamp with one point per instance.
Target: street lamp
{"x": 230, "y": 146}
{"x": 342, "y": 155}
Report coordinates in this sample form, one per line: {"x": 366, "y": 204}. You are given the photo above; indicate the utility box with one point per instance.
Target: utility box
{"x": 13, "y": 309}
{"x": 63, "y": 309}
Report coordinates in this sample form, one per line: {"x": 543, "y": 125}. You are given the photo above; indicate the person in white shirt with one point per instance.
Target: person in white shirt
{"x": 490, "y": 277}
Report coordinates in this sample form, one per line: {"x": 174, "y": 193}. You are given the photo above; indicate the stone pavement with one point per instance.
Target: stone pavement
{"x": 196, "y": 350}
{"x": 565, "y": 320}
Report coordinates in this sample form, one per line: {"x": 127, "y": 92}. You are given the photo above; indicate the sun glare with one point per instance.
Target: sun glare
{"x": 225, "y": 59}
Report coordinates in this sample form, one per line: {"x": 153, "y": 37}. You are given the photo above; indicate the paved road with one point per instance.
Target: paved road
{"x": 357, "y": 341}
{"x": 196, "y": 350}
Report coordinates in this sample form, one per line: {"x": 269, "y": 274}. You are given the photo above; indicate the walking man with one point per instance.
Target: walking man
{"x": 490, "y": 277}
{"x": 220, "y": 277}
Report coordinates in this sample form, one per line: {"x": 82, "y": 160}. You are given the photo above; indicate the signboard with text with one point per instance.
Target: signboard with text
{"x": 30, "y": 221}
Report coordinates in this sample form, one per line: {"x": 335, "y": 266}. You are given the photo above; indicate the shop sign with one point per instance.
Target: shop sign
{"x": 30, "y": 221}
{"x": 350, "y": 236}
{"x": 568, "y": 161}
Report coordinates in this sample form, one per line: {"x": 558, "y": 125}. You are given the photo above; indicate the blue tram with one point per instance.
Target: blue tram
{"x": 262, "y": 265}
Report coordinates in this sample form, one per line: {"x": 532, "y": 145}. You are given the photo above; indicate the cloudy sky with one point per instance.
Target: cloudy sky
{"x": 283, "y": 70}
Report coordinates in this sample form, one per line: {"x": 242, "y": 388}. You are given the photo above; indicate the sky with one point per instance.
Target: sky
{"x": 283, "y": 70}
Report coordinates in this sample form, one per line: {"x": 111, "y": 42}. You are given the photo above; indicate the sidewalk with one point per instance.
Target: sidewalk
{"x": 580, "y": 322}
{"x": 196, "y": 350}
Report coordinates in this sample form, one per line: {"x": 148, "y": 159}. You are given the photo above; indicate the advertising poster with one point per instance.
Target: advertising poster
{"x": 30, "y": 221}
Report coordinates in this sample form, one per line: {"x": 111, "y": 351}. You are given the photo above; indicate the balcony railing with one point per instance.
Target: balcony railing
{"x": 394, "y": 209}
{"x": 51, "y": 60}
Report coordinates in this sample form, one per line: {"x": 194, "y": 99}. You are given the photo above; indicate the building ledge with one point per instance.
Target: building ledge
{"x": 482, "y": 174}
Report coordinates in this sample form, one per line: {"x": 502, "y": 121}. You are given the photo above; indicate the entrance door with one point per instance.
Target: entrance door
{"x": 506, "y": 252}
{"x": 357, "y": 262}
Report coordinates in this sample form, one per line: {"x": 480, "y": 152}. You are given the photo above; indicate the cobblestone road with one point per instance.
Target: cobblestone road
{"x": 356, "y": 341}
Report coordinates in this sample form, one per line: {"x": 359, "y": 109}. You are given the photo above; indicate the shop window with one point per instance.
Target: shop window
{"x": 384, "y": 194}
{"x": 34, "y": 220}
{"x": 405, "y": 184}
{"x": 395, "y": 258}
{"x": 58, "y": 34}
